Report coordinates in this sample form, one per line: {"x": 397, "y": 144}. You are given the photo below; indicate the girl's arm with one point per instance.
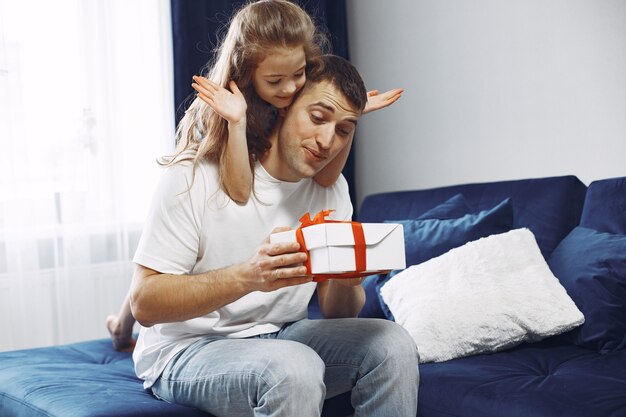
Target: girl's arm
{"x": 231, "y": 105}
{"x": 375, "y": 101}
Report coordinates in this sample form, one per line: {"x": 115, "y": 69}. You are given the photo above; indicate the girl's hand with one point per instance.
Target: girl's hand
{"x": 231, "y": 105}
{"x": 377, "y": 101}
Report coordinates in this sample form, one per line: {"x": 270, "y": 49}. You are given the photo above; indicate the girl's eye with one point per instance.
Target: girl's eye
{"x": 300, "y": 74}
{"x": 273, "y": 82}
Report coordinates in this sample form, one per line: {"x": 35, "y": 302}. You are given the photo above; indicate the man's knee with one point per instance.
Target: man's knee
{"x": 298, "y": 365}
{"x": 294, "y": 381}
{"x": 392, "y": 344}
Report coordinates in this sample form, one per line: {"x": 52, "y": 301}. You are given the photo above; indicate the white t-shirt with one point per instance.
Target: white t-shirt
{"x": 199, "y": 229}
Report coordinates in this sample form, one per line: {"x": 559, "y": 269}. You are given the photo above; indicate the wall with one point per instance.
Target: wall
{"x": 495, "y": 90}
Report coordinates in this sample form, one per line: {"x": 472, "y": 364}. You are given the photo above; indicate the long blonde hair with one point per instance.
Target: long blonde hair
{"x": 254, "y": 30}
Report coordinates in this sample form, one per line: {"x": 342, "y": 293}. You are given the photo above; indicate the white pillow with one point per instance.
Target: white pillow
{"x": 485, "y": 296}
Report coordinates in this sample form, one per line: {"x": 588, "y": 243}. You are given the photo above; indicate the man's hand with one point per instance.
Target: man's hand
{"x": 349, "y": 282}
{"x": 275, "y": 265}
{"x": 377, "y": 101}
{"x": 165, "y": 298}
{"x": 231, "y": 105}
{"x": 342, "y": 297}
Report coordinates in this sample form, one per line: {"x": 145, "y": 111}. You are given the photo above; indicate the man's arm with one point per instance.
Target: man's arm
{"x": 163, "y": 298}
{"x": 340, "y": 298}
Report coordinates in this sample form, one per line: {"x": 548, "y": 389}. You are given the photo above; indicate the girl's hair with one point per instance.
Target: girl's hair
{"x": 255, "y": 29}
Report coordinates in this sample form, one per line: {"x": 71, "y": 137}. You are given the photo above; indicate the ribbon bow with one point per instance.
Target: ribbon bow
{"x": 359, "y": 245}
{"x": 320, "y": 217}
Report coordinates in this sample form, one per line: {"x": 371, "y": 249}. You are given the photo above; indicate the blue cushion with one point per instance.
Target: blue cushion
{"x": 605, "y": 206}
{"x": 81, "y": 379}
{"x": 429, "y": 238}
{"x": 91, "y": 379}
{"x": 532, "y": 380}
{"x": 592, "y": 267}
{"x": 549, "y": 207}
{"x": 452, "y": 208}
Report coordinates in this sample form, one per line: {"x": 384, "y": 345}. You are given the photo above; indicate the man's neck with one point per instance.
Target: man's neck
{"x": 272, "y": 161}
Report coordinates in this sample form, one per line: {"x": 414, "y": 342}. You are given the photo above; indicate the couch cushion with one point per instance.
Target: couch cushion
{"x": 425, "y": 239}
{"x": 549, "y": 207}
{"x": 592, "y": 268}
{"x": 605, "y": 206}
{"x": 91, "y": 379}
{"x": 429, "y": 238}
{"x": 538, "y": 380}
{"x": 453, "y": 208}
{"x": 77, "y": 380}
{"x": 487, "y": 295}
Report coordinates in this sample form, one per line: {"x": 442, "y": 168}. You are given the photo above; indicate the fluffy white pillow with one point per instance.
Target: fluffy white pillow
{"x": 487, "y": 295}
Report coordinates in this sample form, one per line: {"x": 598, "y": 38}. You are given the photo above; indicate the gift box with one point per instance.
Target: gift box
{"x": 347, "y": 248}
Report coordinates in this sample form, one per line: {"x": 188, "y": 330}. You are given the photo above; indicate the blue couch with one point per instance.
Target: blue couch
{"x": 578, "y": 374}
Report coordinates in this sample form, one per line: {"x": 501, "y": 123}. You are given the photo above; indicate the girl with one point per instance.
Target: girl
{"x": 263, "y": 61}
{"x": 271, "y": 80}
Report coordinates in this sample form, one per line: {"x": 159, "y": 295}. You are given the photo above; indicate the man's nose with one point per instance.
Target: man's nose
{"x": 325, "y": 136}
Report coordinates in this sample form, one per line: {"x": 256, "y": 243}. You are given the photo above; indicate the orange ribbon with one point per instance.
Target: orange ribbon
{"x": 359, "y": 245}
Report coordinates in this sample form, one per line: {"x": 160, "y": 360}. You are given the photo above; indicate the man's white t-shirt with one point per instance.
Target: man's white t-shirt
{"x": 193, "y": 227}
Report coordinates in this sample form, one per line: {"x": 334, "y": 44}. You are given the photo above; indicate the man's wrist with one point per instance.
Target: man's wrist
{"x": 238, "y": 277}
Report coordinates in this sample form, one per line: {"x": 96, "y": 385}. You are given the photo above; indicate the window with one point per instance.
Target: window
{"x": 86, "y": 108}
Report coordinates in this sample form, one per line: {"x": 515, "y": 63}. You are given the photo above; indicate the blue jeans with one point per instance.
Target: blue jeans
{"x": 289, "y": 373}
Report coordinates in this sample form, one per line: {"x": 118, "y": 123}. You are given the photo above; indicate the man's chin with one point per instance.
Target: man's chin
{"x": 307, "y": 170}
{"x": 313, "y": 170}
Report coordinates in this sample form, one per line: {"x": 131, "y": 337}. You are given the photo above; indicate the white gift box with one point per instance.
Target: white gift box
{"x": 331, "y": 246}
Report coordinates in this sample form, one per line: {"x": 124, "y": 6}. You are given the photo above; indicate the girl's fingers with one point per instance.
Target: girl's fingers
{"x": 208, "y": 100}
{"x": 201, "y": 89}
{"x": 234, "y": 88}
{"x": 206, "y": 83}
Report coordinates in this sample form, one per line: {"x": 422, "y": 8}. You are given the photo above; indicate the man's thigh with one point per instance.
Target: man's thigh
{"x": 342, "y": 344}
{"x": 228, "y": 376}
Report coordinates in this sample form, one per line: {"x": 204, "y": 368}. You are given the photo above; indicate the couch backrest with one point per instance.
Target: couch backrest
{"x": 549, "y": 207}
{"x": 605, "y": 206}
{"x": 590, "y": 263}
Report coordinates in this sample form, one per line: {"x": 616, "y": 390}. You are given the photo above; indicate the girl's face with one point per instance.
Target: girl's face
{"x": 280, "y": 76}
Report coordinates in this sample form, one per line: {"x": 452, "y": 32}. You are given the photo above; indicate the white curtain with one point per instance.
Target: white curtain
{"x": 86, "y": 107}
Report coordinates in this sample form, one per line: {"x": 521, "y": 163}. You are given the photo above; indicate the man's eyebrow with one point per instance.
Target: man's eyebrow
{"x": 332, "y": 110}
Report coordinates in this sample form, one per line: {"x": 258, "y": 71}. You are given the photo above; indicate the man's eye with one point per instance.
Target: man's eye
{"x": 317, "y": 118}
{"x": 343, "y": 132}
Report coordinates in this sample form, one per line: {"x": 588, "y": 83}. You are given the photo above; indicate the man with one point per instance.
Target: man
{"x": 224, "y": 318}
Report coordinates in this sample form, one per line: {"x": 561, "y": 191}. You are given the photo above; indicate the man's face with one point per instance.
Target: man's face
{"x": 318, "y": 125}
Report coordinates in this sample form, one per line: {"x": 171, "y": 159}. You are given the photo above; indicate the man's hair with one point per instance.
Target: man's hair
{"x": 341, "y": 74}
